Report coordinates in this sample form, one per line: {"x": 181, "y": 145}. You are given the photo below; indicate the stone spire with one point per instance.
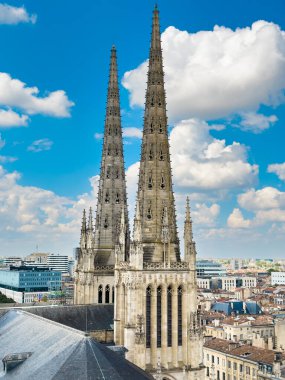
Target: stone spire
{"x": 112, "y": 196}
{"x": 189, "y": 244}
{"x": 155, "y": 183}
{"x": 83, "y": 231}
{"x": 90, "y": 231}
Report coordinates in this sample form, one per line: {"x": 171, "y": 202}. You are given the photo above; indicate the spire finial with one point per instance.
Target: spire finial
{"x": 188, "y": 217}
{"x": 83, "y": 226}
{"x": 90, "y": 220}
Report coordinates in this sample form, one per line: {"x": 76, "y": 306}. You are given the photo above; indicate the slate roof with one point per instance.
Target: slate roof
{"x": 58, "y": 352}
{"x": 98, "y": 317}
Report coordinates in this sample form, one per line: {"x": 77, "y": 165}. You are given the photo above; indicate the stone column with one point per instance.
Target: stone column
{"x": 164, "y": 359}
{"x": 184, "y": 323}
{"x": 174, "y": 326}
{"x": 153, "y": 340}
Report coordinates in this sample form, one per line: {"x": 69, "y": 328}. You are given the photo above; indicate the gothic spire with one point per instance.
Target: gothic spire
{"x": 112, "y": 196}
{"x": 155, "y": 182}
{"x": 83, "y": 230}
{"x": 189, "y": 244}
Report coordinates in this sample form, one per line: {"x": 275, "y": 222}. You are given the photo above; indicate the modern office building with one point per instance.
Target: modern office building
{"x": 229, "y": 283}
{"x": 58, "y": 263}
{"x": 28, "y": 284}
{"x": 209, "y": 268}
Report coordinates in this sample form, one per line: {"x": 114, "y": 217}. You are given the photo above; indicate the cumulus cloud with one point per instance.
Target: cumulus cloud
{"x": 98, "y": 136}
{"x": 214, "y": 74}
{"x": 15, "y": 93}
{"x": 132, "y": 132}
{"x": 267, "y": 206}
{"x": 206, "y": 215}
{"x": 278, "y": 169}
{"x": 40, "y": 145}
{"x": 9, "y": 118}
{"x": 236, "y": 220}
{"x": 256, "y": 122}
{"x": 15, "y": 15}
{"x": 263, "y": 199}
{"x": 33, "y": 214}
{"x": 203, "y": 162}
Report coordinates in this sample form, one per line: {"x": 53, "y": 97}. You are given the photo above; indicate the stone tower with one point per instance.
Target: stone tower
{"x": 156, "y": 316}
{"x": 155, "y": 193}
{"x": 96, "y": 259}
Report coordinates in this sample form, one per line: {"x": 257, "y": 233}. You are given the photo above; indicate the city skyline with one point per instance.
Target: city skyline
{"x": 225, "y": 109}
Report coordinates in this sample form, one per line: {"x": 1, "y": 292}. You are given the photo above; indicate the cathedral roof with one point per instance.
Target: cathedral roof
{"x": 33, "y": 347}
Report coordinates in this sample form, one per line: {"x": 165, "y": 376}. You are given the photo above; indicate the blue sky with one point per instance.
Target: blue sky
{"x": 225, "y": 92}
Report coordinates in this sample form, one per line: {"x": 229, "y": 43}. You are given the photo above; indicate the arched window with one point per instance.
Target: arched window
{"x": 169, "y": 316}
{"x": 179, "y": 306}
{"x": 117, "y": 198}
{"x": 107, "y": 294}
{"x": 100, "y": 294}
{"x": 158, "y": 316}
{"x": 106, "y": 223}
{"x": 148, "y": 316}
{"x": 113, "y": 294}
{"x": 149, "y": 212}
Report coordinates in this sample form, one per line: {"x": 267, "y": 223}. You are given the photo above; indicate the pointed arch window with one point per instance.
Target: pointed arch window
{"x": 179, "y": 307}
{"x": 152, "y": 101}
{"x": 151, "y": 128}
{"x": 169, "y": 316}
{"x": 150, "y": 155}
{"x": 159, "y": 102}
{"x": 158, "y": 316}
{"x": 148, "y": 316}
{"x": 108, "y": 173}
{"x": 161, "y": 155}
{"x": 107, "y": 294}
{"x": 160, "y": 128}
{"x": 150, "y": 182}
{"x": 107, "y": 197}
{"x": 109, "y": 150}
{"x": 162, "y": 182}
{"x": 116, "y": 151}
{"x": 117, "y": 198}
{"x": 149, "y": 213}
{"x": 100, "y": 294}
{"x": 116, "y": 131}
{"x": 106, "y": 223}
{"x": 113, "y": 294}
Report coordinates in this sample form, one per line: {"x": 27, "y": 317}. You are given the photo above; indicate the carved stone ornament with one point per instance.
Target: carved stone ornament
{"x": 140, "y": 334}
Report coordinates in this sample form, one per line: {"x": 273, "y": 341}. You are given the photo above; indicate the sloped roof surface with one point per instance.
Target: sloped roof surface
{"x": 59, "y": 352}
{"x": 98, "y": 317}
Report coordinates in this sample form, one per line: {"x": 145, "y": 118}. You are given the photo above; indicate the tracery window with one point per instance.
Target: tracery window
{"x": 169, "y": 316}
{"x": 179, "y": 307}
{"x": 148, "y": 316}
{"x": 158, "y": 316}
{"x": 100, "y": 294}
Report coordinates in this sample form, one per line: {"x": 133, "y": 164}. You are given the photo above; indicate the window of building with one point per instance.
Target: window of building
{"x": 158, "y": 316}
{"x": 107, "y": 294}
{"x": 148, "y": 316}
{"x": 113, "y": 294}
{"x": 169, "y": 316}
{"x": 100, "y": 294}
{"x": 179, "y": 315}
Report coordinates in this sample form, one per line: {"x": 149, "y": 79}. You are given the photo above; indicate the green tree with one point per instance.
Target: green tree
{"x": 4, "y": 299}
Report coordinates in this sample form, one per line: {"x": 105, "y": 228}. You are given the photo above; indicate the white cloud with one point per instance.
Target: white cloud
{"x": 236, "y": 220}
{"x": 14, "y": 93}
{"x": 214, "y": 74}
{"x": 204, "y": 214}
{"x": 264, "y": 199}
{"x": 202, "y": 162}
{"x": 132, "y": 132}
{"x": 40, "y": 145}
{"x": 15, "y": 15}
{"x": 9, "y": 118}
{"x": 278, "y": 169}
{"x": 256, "y": 122}
{"x": 31, "y": 215}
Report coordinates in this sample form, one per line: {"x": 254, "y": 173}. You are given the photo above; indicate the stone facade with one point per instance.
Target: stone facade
{"x": 156, "y": 316}
{"x": 94, "y": 275}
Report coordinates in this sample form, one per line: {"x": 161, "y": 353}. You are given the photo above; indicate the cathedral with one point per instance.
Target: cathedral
{"x": 153, "y": 290}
